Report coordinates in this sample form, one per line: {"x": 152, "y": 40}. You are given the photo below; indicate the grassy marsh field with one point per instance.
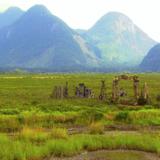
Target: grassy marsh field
{"x": 35, "y": 126}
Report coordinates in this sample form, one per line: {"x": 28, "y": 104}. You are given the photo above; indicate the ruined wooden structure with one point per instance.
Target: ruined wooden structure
{"x": 136, "y": 87}
{"x": 116, "y": 92}
{"x": 144, "y": 91}
{"x": 83, "y": 92}
{"x": 60, "y": 92}
{"x": 103, "y": 94}
{"x": 115, "y": 89}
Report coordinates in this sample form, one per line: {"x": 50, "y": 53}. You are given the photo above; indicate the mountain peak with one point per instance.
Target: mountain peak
{"x": 113, "y": 22}
{"x": 114, "y": 13}
{"x": 115, "y": 17}
{"x": 120, "y": 40}
{"x": 10, "y": 16}
{"x": 39, "y": 9}
{"x": 13, "y": 9}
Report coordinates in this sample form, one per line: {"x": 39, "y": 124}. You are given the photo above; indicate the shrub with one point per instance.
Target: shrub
{"x": 59, "y": 133}
{"x": 14, "y": 111}
{"x": 96, "y": 128}
{"x": 122, "y": 116}
{"x": 90, "y": 116}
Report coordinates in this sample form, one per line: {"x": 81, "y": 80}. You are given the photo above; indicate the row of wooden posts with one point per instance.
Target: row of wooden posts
{"x": 137, "y": 92}
{"x": 81, "y": 91}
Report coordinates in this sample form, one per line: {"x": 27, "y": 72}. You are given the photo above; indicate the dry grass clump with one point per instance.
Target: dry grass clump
{"x": 34, "y": 135}
{"x": 96, "y": 128}
{"x": 59, "y": 133}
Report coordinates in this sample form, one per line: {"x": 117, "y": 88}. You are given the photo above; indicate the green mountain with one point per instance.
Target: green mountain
{"x": 39, "y": 39}
{"x": 36, "y": 39}
{"x": 11, "y": 15}
{"x": 121, "y": 42}
{"x": 152, "y": 59}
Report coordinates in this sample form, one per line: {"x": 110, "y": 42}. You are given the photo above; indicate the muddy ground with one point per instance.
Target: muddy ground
{"x": 112, "y": 155}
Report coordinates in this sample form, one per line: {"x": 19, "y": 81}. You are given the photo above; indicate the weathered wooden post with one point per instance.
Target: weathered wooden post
{"x": 83, "y": 92}
{"x": 61, "y": 92}
{"x": 65, "y": 92}
{"x": 136, "y": 87}
{"x": 55, "y": 92}
{"x": 115, "y": 89}
{"x": 145, "y": 91}
{"x": 77, "y": 92}
{"x": 58, "y": 92}
{"x": 102, "y": 95}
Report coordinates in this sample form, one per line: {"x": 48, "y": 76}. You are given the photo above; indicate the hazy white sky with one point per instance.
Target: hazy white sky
{"x": 84, "y": 13}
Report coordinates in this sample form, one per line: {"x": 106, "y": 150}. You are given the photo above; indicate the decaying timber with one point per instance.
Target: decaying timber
{"x": 60, "y": 92}
{"x": 83, "y": 92}
{"x": 103, "y": 94}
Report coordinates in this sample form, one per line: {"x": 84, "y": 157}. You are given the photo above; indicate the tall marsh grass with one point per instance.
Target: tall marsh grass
{"x": 20, "y": 149}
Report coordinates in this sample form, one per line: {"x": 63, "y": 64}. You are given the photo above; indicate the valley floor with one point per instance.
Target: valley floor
{"x": 36, "y": 126}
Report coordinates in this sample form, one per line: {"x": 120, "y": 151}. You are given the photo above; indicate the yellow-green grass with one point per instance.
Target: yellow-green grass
{"x": 19, "y": 149}
{"x": 85, "y": 118}
{"x": 26, "y": 91}
{"x": 96, "y": 128}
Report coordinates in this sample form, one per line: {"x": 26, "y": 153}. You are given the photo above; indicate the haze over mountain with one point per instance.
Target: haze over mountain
{"x": 152, "y": 60}
{"x": 40, "y": 40}
{"x": 36, "y": 39}
{"x": 11, "y": 15}
{"x": 121, "y": 42}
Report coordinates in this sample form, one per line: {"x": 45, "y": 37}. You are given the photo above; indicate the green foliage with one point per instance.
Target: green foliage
{"x": 122, "y": 116}
{"x": 90, "y": 115}
{"x": 10, "y": 111}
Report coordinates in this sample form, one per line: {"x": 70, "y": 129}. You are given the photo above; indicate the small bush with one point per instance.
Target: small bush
{"x": 122, "y": 116}
{"x": 59, "y": 133}
{"x": 10, "y": 111}
{"x": 90, "y": 116}
{"x": 96, "y": 128}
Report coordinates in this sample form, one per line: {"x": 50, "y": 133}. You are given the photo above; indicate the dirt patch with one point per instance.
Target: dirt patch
{"x": 112, "y": 155}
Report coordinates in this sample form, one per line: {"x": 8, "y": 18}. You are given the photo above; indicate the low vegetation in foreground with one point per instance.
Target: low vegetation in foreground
{"x": 36, "y": 145}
